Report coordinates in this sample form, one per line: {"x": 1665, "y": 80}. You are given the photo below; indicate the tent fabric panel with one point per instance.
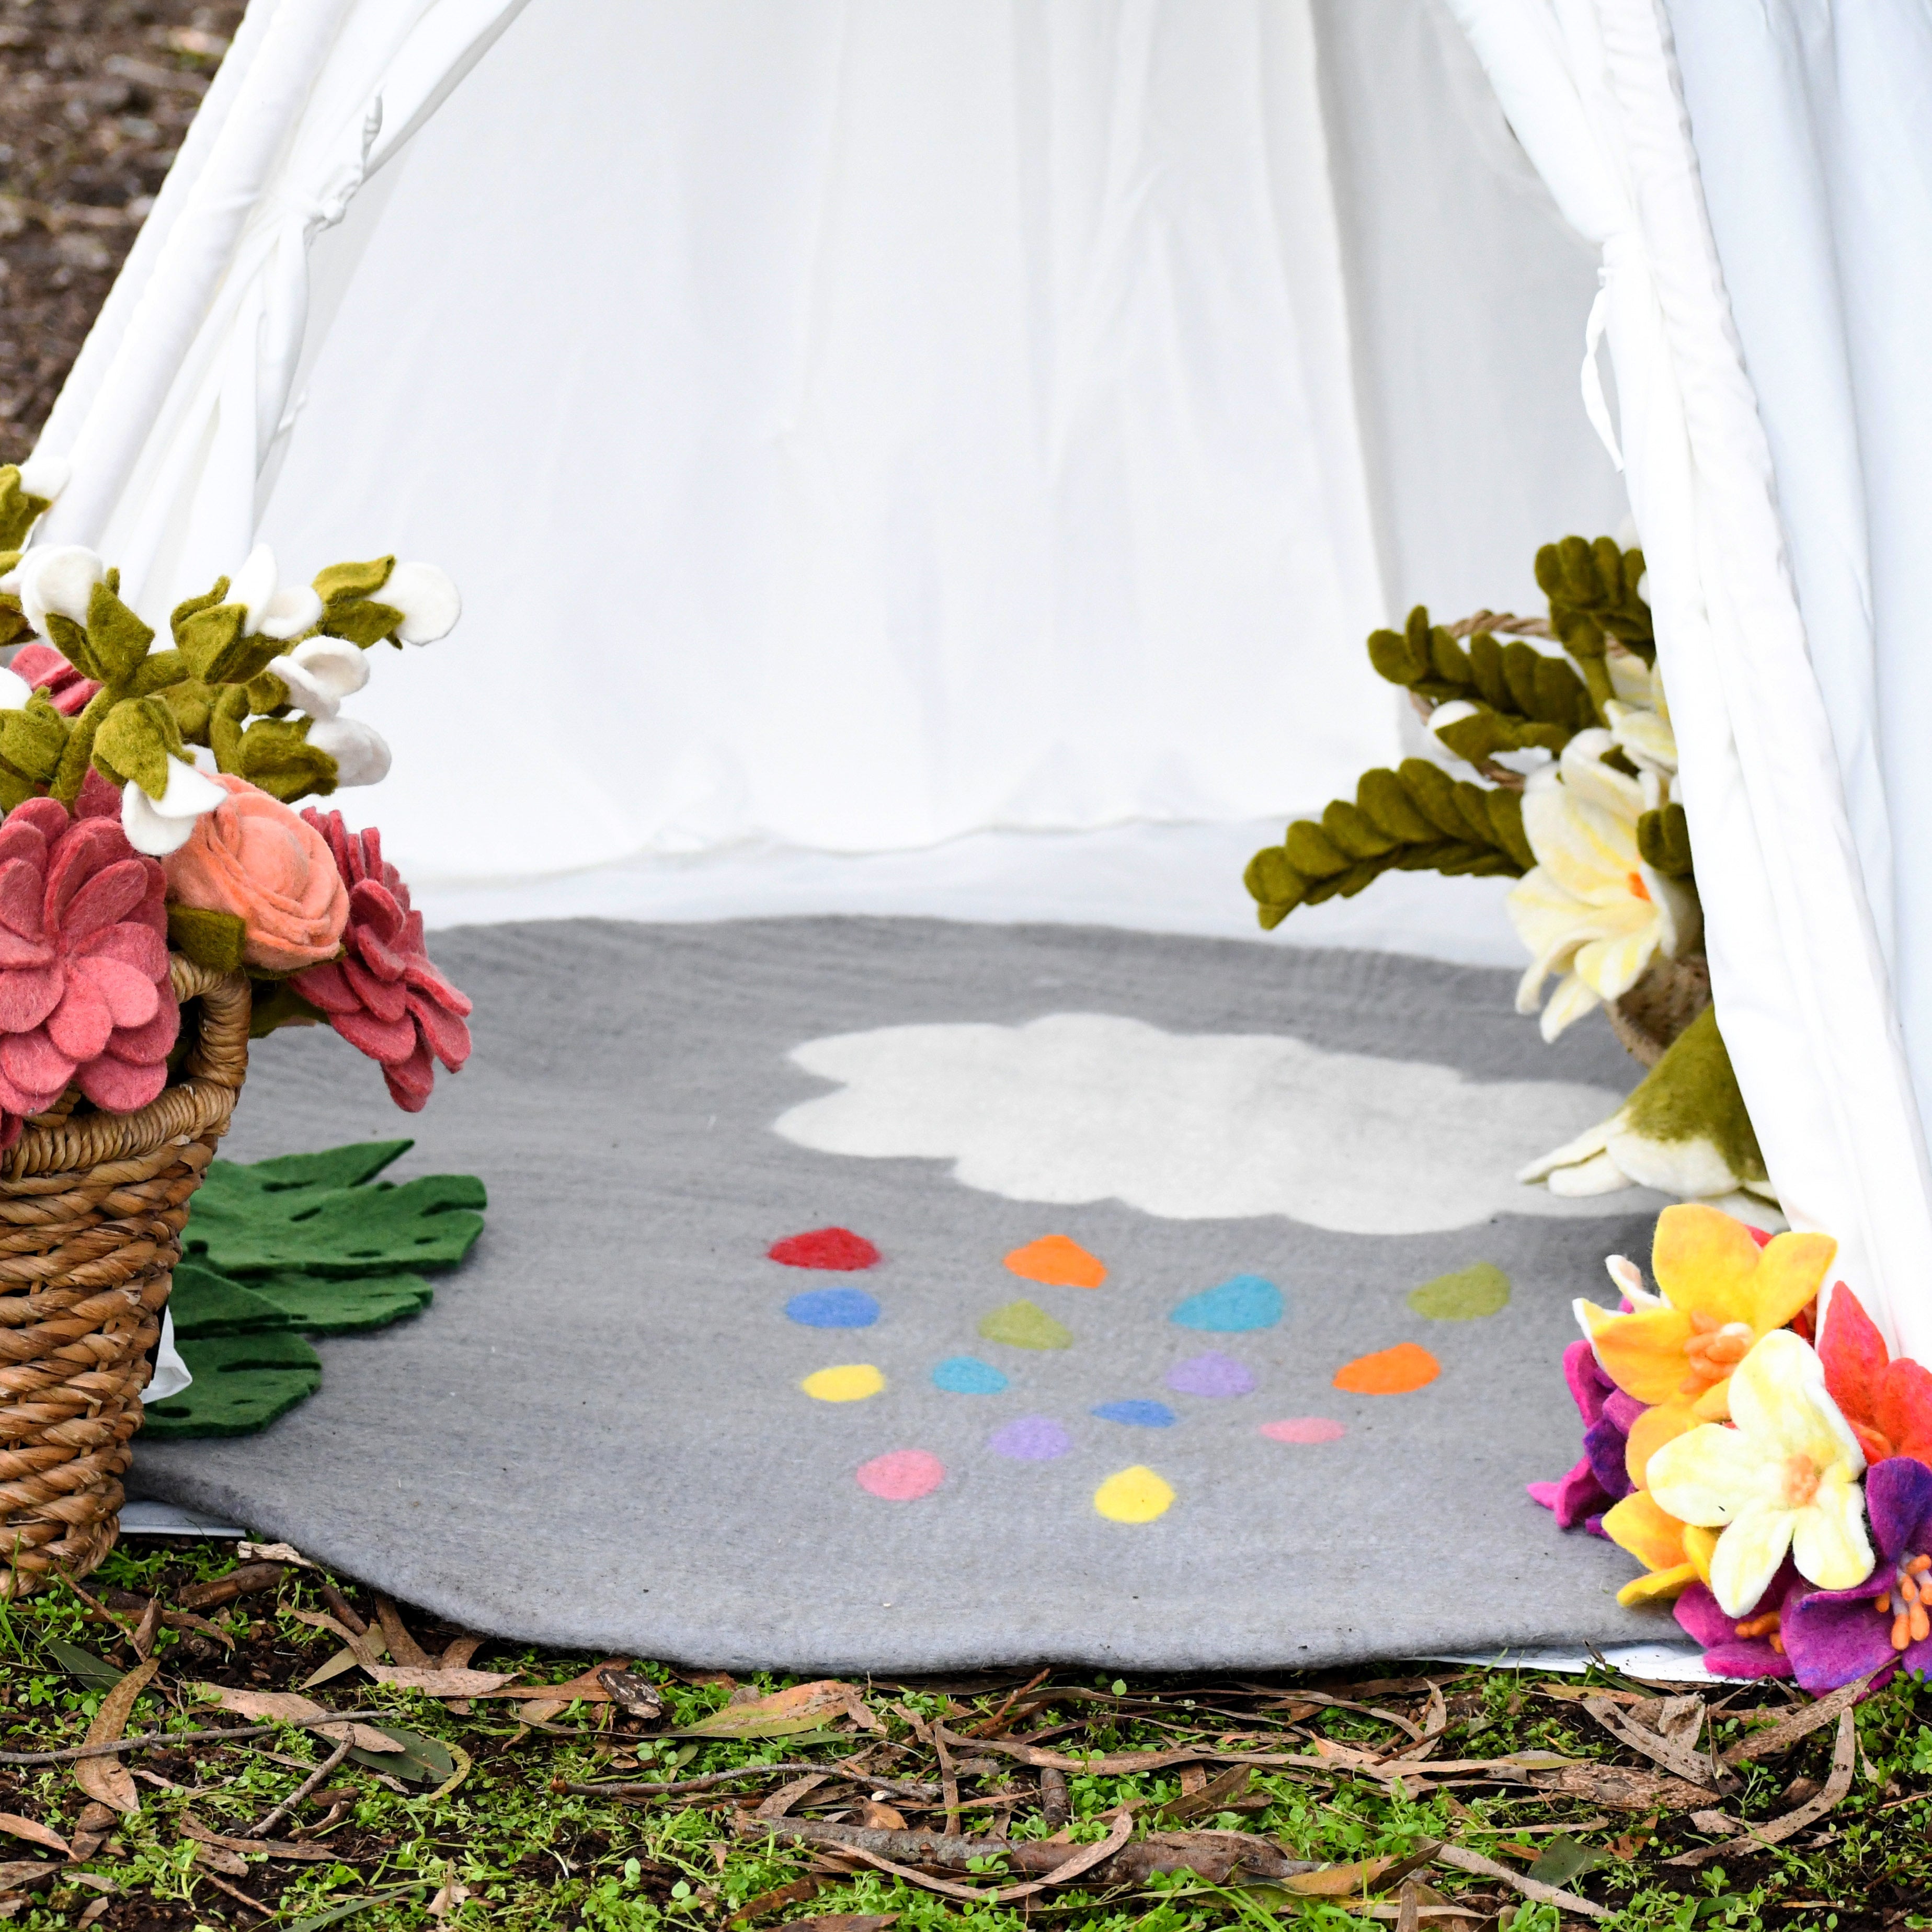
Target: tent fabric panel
{"x": 1811, "y": 130}
{"x": 1468, "y": 292}
{"x": 1797, "y": 968}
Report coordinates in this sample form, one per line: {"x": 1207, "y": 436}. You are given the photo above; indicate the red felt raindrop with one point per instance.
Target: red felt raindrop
{"x": 825, "y": 1248}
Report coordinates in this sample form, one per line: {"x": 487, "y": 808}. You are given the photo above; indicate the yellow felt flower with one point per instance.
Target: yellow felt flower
{"x": 1674, "y": 1554}
{"x": 1591, "y": 910}
{"x": 1721, "y": 1293}
{"x": 1784, "y": 1477}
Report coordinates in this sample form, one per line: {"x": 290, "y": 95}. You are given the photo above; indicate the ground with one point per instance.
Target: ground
{"x": 479, "y": 1816}
{"x": 476, "y": 1820}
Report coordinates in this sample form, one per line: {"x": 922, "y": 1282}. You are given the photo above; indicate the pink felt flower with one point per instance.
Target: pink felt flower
{"x": 43, "y": 668}
{"x": 383, "y": 996}
{"x": 84, "y": 990}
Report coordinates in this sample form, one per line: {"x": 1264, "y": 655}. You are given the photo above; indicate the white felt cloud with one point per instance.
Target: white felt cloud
{"x": 1080, "y": 1107}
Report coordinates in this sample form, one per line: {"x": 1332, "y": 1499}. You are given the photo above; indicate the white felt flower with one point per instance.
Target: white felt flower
{"x": 428, "y": 599}
{"x": 1591, "y": 910}
{"x": 1785, "y": 1477}
{"x": 14, "y": 691}
{"x": 275, "y": 609}
{"x": 361, "y": 753}
{"x": 160, "y": 825}
{"x": 58, "y": 578}
{"x": 320, "y": 673}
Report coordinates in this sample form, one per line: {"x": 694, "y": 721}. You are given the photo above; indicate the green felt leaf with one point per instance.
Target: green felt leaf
{"x": 348, "y": 1166}
{"x": 1467, "y": 1295}
{"x": 215, "y": 940}
{"x": 93, "y": 1673}
{"x": 307, "y": 1212}
{"x": 1024, "y": 1325}
{"x": 242, "y": 1384}
{"x": 342, "y": 1305}
{"x": 205, "y": 1302}
{"x": 420, "y": 1759}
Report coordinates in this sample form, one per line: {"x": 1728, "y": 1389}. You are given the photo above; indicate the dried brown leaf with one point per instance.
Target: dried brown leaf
{"x": 1336, "y": 1881}
{"x": 435, "y": 1680}
{"x": 1844, "y": 1757}
{"x": 403, "y": 1647}
{"x": 1789, "y": 1729}
{"x": 805, "y": 1707}
{"x": 106, "y": 1780}
{"x": 290, "y": 1707}
{"x": 35, "y": 1835}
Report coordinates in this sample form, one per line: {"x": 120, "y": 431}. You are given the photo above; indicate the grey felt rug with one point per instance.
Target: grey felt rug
{"x": 622, "y": 1425}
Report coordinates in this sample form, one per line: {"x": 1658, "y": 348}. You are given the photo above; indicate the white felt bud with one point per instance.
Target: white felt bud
{"x": 361, "y": 754}
{"x": 57, "y": 578}
{"x": 45, "y": 476}
{"x": 428, "y": 599}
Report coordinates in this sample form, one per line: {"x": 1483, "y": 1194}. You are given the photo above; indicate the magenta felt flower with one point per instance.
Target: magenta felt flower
{"x": 382, "y": 995}
{"x": 84, "y": 995}
{"x": 1600, "y": 1477}
{"x": 1836, "y": 1637}
{"x": 1752, "y": 1646}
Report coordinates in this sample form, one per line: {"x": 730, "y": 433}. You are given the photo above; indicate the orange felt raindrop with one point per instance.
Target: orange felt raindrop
{"x": 1390, "y": 1371}
{"x": 1058, "y": 1262}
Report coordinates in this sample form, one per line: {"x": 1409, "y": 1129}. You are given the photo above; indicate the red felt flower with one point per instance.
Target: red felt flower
{"x": 84, "y": 995}
{"x": 44, "y": 669}
{"x": 1888, "y": 1403}
{"x": 383, "y": 996}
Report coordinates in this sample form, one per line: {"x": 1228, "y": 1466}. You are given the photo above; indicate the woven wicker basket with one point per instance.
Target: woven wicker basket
{"x": 1660, "y": 1006}
{"x": 91, "y": 1209}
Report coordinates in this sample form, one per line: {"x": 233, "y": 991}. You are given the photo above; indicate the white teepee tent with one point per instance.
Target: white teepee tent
{"x": 913, "y": 419}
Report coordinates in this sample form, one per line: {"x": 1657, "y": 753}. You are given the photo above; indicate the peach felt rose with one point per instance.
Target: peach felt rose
{"x": 253, "y": 858}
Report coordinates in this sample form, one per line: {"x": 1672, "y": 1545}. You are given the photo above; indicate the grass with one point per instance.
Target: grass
{"x": 488, "y": 1836}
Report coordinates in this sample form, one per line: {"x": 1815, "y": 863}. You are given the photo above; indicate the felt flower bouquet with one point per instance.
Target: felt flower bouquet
{"x": 1571, "y": 765}
{"x": 149, "y": 798}
{"x": 1774, "y": 1480}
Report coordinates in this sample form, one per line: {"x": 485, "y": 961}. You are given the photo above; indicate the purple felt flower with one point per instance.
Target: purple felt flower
{"x": 1748, "y": 1646}
{"x": 1599, "y": 1478}
{"x": 1836, "y": 1637}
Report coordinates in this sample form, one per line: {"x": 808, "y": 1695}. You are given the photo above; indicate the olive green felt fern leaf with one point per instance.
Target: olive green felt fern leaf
{"x": 1416, "y": 818}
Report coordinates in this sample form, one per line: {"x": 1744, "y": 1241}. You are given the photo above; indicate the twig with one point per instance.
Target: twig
{"x": 949, "y": 1782}
{"x": 340, "y": 1606}
{"x": 74, "y": 1752}
{"x": 93, "y": 1604}
{"x": 632, "y": 1790}
{"x": 1463, "y": 1859}
{"x": 990, "y": 1726}
{"x": 312, "y": 1782}
{"x": 233, "y": 1891}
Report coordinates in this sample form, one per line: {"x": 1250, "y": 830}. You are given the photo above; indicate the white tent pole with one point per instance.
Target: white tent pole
{"x": 1802, "y": 991}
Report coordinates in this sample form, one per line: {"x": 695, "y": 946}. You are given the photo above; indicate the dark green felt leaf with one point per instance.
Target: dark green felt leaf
{"x": 334, "y": 1167}
{"x": 241, "y": 1383}
{"x": 305, "y": 1211}
{"x": 341, "y": 1305}
{"x": 205, "y": 1302}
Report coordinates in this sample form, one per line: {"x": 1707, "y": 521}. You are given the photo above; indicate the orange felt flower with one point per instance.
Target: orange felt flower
{"x": 1722, "y": 1293}
{"x": 254, "y": 858}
